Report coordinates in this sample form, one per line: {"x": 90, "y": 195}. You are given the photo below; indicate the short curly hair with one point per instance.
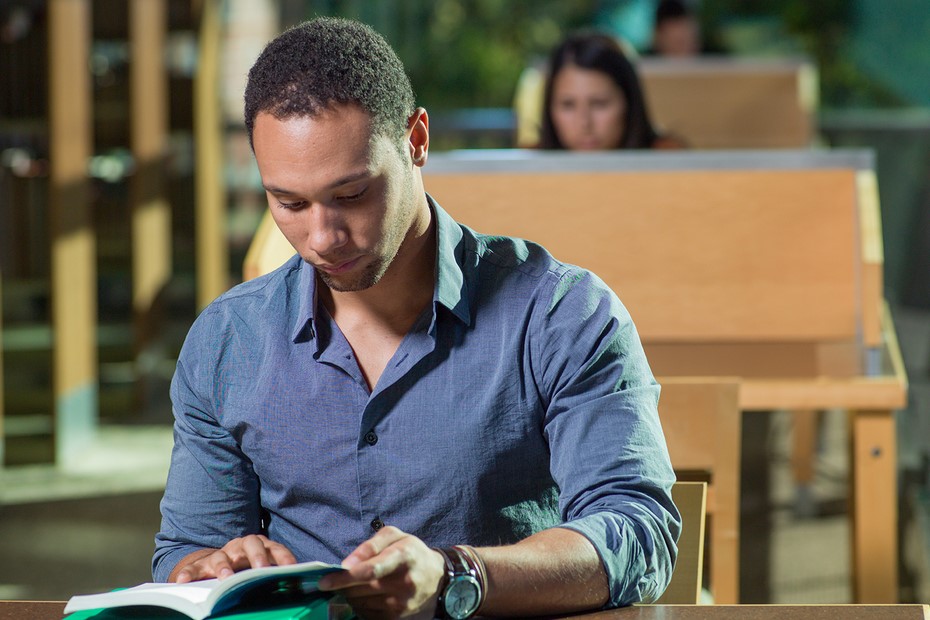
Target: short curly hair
{"x": 329, "y": 61}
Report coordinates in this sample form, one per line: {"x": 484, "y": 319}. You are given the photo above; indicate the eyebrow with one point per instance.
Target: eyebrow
{"x": 349, "y": 178}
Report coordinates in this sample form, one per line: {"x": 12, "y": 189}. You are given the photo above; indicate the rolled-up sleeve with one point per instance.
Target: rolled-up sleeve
{"x": 608, "y": 452}
{"x": 211, "y": 495}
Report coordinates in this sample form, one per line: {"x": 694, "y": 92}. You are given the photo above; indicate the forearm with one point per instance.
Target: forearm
{"x": 554, "y": 571}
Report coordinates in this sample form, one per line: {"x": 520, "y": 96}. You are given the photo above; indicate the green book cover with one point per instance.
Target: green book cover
{"x": 267, "y": 593}
{"x": 317, "y": 609}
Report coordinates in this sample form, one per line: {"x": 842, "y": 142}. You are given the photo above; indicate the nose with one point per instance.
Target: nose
{"x": 585, "y": 119}
{"x": 326, "y": 230}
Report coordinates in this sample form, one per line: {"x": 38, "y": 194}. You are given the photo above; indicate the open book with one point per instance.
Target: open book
{"x": 250, "y": 589}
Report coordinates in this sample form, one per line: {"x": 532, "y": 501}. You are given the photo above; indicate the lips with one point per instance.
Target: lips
{"x": 338, "y": 267}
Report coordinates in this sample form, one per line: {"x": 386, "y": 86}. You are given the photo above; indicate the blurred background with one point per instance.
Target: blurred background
{"x": 129, "y": 197}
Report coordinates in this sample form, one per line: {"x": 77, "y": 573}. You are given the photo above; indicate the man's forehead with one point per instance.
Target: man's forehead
{"x": 328, "y": 150}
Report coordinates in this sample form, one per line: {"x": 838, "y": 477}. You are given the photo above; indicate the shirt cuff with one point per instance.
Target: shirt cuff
{"x": 629, "y": 579}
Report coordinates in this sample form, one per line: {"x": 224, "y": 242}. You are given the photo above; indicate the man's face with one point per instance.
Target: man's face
{"x": 678, "y": 37}
{"x": 345, "y": 199}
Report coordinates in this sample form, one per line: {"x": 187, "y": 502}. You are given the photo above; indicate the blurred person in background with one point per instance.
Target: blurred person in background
{"x": 677, "y": 32}
{"x": 593, "y": 100}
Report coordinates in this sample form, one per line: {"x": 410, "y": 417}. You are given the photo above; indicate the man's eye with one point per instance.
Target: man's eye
{"x": 291, "y": 205}
{"x": 353, "y": 197}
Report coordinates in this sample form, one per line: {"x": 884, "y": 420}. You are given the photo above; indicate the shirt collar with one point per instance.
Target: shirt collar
{"x": 451, "y": 289}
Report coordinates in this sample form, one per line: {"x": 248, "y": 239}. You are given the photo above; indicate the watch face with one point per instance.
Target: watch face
{"x": 462, "y": 597}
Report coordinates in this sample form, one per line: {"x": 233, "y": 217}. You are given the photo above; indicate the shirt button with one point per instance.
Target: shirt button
{"x": 371, "y": 438}
{"x": 377, "y": 523}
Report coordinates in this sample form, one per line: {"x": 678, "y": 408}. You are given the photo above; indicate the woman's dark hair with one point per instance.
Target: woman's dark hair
{"x": 330, "y": 61}
{"x": 600, "y": 52}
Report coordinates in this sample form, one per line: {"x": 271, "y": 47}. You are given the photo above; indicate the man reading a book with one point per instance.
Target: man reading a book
{"x": 464, "y": 422}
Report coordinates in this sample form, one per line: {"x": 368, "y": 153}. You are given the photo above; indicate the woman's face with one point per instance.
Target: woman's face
{"x": 588, "y": 109}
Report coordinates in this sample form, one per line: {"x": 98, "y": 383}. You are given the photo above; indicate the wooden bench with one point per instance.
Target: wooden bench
{"x": 730, "y": 103}
{"x": 760, "y": 265}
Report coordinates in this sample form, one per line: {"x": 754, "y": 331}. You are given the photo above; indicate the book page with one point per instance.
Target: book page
{"x": 253, "y": 588}
{"x": 187, "y": 598}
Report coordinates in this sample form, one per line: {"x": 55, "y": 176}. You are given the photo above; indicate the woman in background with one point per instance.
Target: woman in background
{"x": 594, "y": 101}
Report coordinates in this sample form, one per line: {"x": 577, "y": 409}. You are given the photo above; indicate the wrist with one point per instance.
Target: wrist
{"x": 463, "y": 588}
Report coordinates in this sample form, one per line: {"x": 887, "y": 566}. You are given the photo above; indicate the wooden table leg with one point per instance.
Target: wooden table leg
{"x": 875, "y": 507}
{"x": 804, "y": 433}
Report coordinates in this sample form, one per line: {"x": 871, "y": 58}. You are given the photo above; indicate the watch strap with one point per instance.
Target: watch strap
{"x": 461, "y": 560}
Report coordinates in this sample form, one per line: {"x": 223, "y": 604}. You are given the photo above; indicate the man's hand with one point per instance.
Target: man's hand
{"x": 391, "y": 575}
{"x": 239, "y": 553}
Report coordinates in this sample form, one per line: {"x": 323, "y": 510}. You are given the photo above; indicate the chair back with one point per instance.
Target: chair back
{"x": 685, "y": 586}
{"x": 701, "y": 420}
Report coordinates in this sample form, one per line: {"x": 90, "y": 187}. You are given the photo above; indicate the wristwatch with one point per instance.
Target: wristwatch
{"x": 461, "y": 592}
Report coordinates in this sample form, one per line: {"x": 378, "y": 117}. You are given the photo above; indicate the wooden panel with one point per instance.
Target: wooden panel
{"x": 875, "y": 563}
{"x": 702, "y": 424}
{"x": 210, "y": 218}
{"x": 73, "y": 264}
{"x": 886, "y": 392}
{"x": 755, "y": 359}
{"x": 685, "y": 586}
{"x": 722, "y": 256}
{"x": 873, "y": 257}
{"x": 151, "y": 212}
{"x": 720, "y": 104}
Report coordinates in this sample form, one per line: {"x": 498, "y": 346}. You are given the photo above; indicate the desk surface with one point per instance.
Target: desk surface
{"x": 52, "y": 610}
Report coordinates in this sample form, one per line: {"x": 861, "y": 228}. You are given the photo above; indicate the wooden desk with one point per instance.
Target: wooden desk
{"x": 764, "y": 612}
{"x": 52, "y": 610}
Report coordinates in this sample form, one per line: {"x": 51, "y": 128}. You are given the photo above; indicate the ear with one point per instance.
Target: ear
{"x": 418, "y": 136}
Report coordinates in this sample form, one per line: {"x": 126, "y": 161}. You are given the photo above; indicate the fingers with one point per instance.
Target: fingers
{"x": 373, "y": 559}
{"x": 247, "y": 552}
{"x": 255, "y": 551}
{"x": 213, "y": 564}
{"x": 374, "y": 546}
{"x": 390, "y": 575}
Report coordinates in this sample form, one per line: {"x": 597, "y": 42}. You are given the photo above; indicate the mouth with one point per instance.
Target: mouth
{"x": 338, "y": 268}
{"x": 589, "y": 145}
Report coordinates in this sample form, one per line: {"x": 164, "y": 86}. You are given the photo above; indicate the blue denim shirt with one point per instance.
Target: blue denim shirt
{"x": 520, "y": 400}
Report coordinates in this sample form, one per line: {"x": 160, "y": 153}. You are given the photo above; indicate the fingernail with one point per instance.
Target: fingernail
{"x": 225, "y": 572}
{"x": 350, "y": 561}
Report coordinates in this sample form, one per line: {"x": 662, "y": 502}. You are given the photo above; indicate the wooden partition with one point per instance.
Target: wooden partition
{"x": 729, "y": 103}
{"x": 764, "y": 266}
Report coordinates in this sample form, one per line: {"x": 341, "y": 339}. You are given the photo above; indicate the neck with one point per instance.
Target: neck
{"x": 405, "y": 289}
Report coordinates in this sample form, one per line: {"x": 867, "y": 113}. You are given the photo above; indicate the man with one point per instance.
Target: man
{"x": 676, "y": 32}
{"x": 406, "y": 388}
